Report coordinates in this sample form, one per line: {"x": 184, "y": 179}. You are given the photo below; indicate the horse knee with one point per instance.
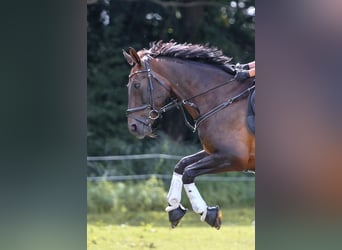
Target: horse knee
{"x": 180, "y": 166}
{"x": 187, "y": 178}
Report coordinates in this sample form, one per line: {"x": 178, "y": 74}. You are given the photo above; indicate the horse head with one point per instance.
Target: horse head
{"x": 146, "y": 95}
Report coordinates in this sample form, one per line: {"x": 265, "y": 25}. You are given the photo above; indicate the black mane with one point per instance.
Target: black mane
{"x": 193, "y": 52}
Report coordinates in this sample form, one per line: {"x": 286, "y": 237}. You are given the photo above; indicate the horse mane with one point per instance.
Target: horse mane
{"x": 193, "y": 52}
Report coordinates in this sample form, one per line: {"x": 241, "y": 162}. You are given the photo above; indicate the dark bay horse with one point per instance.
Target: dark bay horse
{"x": 200, "y": 80}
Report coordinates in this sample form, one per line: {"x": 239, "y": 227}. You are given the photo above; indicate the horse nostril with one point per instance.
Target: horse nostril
{"x": 134, "y": 128}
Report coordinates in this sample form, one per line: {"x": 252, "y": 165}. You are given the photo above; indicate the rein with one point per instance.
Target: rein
{"x": 155, "y": 114}
{"x": 220, "y": 107}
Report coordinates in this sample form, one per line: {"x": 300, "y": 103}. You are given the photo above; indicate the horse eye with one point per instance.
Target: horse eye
{"x": 136, "y": 85}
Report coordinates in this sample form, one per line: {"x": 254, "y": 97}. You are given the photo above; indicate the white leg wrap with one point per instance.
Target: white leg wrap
{"x": 198, "y": 204}
{"x": 175, "y": 192}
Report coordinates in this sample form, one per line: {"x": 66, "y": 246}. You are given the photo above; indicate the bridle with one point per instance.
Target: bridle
{"x": 154, "y": 114}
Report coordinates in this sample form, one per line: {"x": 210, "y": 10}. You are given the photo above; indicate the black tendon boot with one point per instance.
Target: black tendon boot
{"x": 214, "y": 217}
{"x": 176, "y": 215}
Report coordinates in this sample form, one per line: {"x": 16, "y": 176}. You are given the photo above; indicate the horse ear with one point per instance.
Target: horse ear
{"x": 128, "y": 58}
{"x": 134, "y": 56}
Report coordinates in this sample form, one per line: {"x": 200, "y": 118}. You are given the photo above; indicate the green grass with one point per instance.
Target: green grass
{"x": 116, "y": 237}
{"x": 151, "y": 230}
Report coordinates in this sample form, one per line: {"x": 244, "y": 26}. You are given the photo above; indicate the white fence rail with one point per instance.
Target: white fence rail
{"x": 162, "y": 176}
{"x": 106, "y": 177}
{"x": 133, "y": 157}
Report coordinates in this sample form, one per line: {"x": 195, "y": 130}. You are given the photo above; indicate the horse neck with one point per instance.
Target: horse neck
{"x": 188, "y": 79}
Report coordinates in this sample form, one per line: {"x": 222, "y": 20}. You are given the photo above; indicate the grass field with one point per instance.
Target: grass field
{"x": 152, "y": 231}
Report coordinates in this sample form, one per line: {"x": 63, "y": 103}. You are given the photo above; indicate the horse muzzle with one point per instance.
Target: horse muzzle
{"x": 139, "y": 128}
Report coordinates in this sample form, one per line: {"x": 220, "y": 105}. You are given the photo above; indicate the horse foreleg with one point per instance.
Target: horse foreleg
{"x": 175, "y": 209}
{"x": 211, "y": 164}
{"x": 175, "y": 192}
{"x": 211, "y": 215}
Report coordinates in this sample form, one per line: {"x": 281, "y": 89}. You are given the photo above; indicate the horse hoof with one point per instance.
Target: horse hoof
{"x": 214, "y": 217}
{"x": 176, "y": 215}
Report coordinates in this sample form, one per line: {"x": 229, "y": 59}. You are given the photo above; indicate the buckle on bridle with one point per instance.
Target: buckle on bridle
{"x": 153, "y": 114}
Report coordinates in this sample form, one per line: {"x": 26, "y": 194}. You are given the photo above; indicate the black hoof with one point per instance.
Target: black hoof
{"x": 214, "y": 217}
{"x": 176, "y": 215}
